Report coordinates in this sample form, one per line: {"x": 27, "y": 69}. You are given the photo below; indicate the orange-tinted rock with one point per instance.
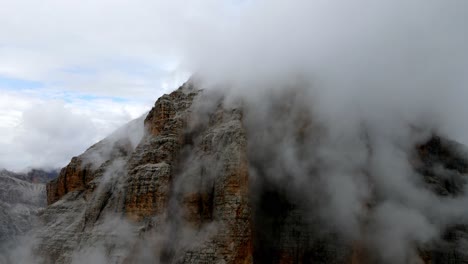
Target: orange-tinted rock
{"x": 82, "y": 169}
{"x": 148, "y": 191}
{"x": 73, "y": 177}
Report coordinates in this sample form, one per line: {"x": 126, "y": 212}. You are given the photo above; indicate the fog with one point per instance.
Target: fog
{"x": 375, "y": 79}
{"x": 382, "y": 60}
{"x": 336, "y": 95}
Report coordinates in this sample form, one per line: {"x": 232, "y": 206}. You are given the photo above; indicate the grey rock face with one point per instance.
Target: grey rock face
{"x": 22, "y": 197}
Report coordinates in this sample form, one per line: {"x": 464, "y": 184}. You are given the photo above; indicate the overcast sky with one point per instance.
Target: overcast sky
{"x": 73, "y": 71}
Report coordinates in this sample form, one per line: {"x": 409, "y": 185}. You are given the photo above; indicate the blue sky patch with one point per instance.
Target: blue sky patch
{"x": 18, "y": 84}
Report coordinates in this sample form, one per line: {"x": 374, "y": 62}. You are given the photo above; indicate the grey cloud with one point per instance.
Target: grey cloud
{"x": 50, "y": 134}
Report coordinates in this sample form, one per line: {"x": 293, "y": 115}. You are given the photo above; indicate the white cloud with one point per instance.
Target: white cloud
{"x": 122, "y": 47}
{"x": 98, "y": 64}
{"x": 40, "y": 132}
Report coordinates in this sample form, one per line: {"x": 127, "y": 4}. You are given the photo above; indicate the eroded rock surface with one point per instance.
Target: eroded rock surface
{"x": 187, "y": 186}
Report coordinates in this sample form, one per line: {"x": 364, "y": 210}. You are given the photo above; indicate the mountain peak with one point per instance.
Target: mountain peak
{"x": 202, "y": 180}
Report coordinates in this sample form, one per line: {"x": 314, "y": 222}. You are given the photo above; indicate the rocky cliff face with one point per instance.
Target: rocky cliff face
{"x": 166, "y": 187}
{"x": 201, "y": 185}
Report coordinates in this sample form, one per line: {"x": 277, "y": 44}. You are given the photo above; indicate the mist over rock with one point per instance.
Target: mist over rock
{"x": 22, "y": 196}
{"x": 207, "y": 177}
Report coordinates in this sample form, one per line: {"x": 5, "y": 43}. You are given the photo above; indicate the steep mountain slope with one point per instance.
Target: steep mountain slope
{"x": 169, "y": 169}
{"x": 210, "y": 180}
{"x": 21, "y": 198}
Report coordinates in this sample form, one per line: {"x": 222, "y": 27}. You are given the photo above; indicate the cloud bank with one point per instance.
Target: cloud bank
{"x": 391, "y": 59}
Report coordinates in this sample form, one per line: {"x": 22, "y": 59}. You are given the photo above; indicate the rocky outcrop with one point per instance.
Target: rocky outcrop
{"x": 82, "y": 169}
{"x": 442, "y": 165}
{"x": 72, "y": 177}
{"x": 185, "y": 183}
{"x": 445, "y": 172}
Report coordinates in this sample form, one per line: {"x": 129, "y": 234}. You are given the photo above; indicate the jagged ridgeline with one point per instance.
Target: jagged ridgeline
{"x": 203, "y": 179}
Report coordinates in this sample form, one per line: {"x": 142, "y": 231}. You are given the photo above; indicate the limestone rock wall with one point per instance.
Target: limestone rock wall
{"x": 187, "y": 186}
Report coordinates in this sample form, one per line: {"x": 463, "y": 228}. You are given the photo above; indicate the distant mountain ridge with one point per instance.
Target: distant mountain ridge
{"x": 33, "y": 175}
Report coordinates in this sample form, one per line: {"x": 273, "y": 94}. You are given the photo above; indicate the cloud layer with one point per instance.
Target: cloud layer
{"x": 387, "y": 60}
{"x": 71, "y": 73}
{"x": 46, "y": 133}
